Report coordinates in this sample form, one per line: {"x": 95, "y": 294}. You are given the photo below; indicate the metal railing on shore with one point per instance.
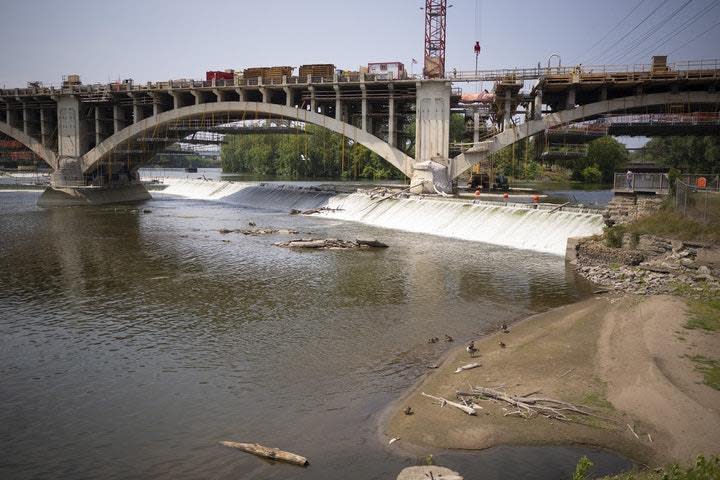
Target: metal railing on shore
{"x": 657, "y": 183}
{"x": 698, "y": 197}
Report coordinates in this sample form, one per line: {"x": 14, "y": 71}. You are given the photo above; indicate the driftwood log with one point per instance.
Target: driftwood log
{"x": 469, "y": 366}
{"x": 527, "y": 406}
{"x": 444, "y": 401}
{"x": 332, "y": 244}
{"x": 267, "y": 452}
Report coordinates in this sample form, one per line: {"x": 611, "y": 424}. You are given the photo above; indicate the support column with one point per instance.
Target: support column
{"x": 391, "y": 120}
{"x": 313, "y": 101}
{"x": 363, "y": 108}
{"x": 241, "y": 94}
{"x": 118, "y": 118}
{"x": 570, "y": 101}
{"x": 157, "y": 104}
{"x": 507, "y": 117}
{"x": 72, "y": 142}
{"x": 26, "y": 119}
{"x": 603, "y": 93}
{"x": 338, "y": 103}
{"x": 289, "y": 97}
{"x": 198, "y": 96}
{"x": 137, "y": 109}
{"x": 537, "y": 106}
{"x": 266, "y": 96}
{"x": 43, "y": 128}
{"x": 476, "y": 126}
{"x": 98, "y": 125}
{"x": 177, "y": 99}
{"x": 432, "y": 124}
{"x": 432, "y": 137}
{"x": 219, "y": 95}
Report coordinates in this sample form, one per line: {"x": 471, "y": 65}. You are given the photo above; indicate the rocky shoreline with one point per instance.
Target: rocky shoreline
{"x": 648, "y": 265}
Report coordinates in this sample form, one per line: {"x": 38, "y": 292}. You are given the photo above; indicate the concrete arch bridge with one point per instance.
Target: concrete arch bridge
{"x": 87, "y": 132}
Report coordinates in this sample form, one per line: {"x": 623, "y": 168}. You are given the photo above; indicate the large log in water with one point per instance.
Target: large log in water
{"x": 267, "y": 452}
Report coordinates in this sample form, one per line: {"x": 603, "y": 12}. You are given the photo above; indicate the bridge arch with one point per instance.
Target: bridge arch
{"x": 41, "y": 151}
{"x": 477, "y": 154}
{"x": 394, "y": 156}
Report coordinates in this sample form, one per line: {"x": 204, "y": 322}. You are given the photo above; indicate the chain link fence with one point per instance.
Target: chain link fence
{"x": 698, "y": 197}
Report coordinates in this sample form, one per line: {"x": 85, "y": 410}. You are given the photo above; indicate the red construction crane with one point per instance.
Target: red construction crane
{"x": 435, "y": 22}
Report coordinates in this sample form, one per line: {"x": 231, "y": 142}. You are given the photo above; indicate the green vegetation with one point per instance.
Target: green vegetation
{"x": 317, "y": 152}
{"x": 703, "y": 469}
{"x": 664, "y": 223}
{"x": 710, "y": 368}
{"x": 592, "y": 174}
{"x": 582, "y": 468}
{"x": 165, "y": 160}
{"x": 691, "y": 154}
{"x": 704, "y": 314}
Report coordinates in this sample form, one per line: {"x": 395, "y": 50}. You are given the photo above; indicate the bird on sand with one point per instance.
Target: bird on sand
{"x": 408, "y": 411}
{"x": 433, "y": 340}
{"x": 505, "y": 328}
{"x": 502, "y": 344}
{"x": 448, "y": 338}
{"x": 471, "y": 349}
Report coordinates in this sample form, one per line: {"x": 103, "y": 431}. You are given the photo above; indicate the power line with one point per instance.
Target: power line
{"x": 695, "y": 37}
{"x": 597, "y": 57}
{"x": 613, "y": 29}
{"x": 679, "y": 30}
{"x": 649, "y": 33}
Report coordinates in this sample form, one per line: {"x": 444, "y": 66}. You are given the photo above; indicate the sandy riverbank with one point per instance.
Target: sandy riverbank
{"x": 625, "y": 357}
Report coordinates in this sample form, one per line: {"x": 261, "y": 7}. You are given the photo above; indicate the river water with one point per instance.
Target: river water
{"x": 131, "y": 342}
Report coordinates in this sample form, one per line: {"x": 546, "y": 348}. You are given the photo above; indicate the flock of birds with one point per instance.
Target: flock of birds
{"x": 470, "y": 348}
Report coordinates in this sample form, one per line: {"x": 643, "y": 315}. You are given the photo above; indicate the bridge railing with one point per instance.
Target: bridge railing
{"x": 694, "y": 69}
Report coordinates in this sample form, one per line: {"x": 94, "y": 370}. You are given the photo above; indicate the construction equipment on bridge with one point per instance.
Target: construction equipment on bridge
{"x": 317, "y": 70}
{"x": 435, "y": 28}
{"x": 218, "y": 75}
{"x": 71, "y": 80}
{"x": 268, "y": 73}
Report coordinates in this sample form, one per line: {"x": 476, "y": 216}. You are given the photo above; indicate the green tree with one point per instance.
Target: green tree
{"x": 690, "y": 154}
{"x": 606, "y": 154}
{"x": 592, "y": 174}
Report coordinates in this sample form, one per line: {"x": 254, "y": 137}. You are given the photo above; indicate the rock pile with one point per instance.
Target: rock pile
{"x": 650, "y": 265}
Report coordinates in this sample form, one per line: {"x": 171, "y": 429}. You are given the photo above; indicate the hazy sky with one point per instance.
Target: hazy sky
{"x": 160, "y": 40}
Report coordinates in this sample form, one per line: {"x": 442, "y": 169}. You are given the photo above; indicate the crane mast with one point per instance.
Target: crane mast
{"x": 435, "y": 28}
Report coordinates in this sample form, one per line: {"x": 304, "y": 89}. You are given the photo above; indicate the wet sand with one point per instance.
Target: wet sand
{"x": 624, "y": 357}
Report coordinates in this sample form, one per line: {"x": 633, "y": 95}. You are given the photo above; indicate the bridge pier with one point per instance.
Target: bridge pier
{"x": 432, "y": 137}
{"x": 68, "y": 185}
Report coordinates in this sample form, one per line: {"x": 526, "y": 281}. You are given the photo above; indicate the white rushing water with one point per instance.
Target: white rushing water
{"x": 517, "y": 226}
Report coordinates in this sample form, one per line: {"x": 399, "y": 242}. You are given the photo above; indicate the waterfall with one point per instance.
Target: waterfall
{"x": 514, "y": 225}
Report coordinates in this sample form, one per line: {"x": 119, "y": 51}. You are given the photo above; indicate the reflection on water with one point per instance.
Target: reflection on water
{"x": 130, "y": 342}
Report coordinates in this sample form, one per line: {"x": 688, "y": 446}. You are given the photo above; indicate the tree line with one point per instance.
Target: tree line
{"x": 320, "y": 153}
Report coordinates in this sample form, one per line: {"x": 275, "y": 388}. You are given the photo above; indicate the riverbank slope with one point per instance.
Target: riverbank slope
{"x": 627, "y": 358}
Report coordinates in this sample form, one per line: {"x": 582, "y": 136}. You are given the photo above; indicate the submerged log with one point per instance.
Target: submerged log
{"x": 267, "y": 452}
{"x": 370, "y": 242}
